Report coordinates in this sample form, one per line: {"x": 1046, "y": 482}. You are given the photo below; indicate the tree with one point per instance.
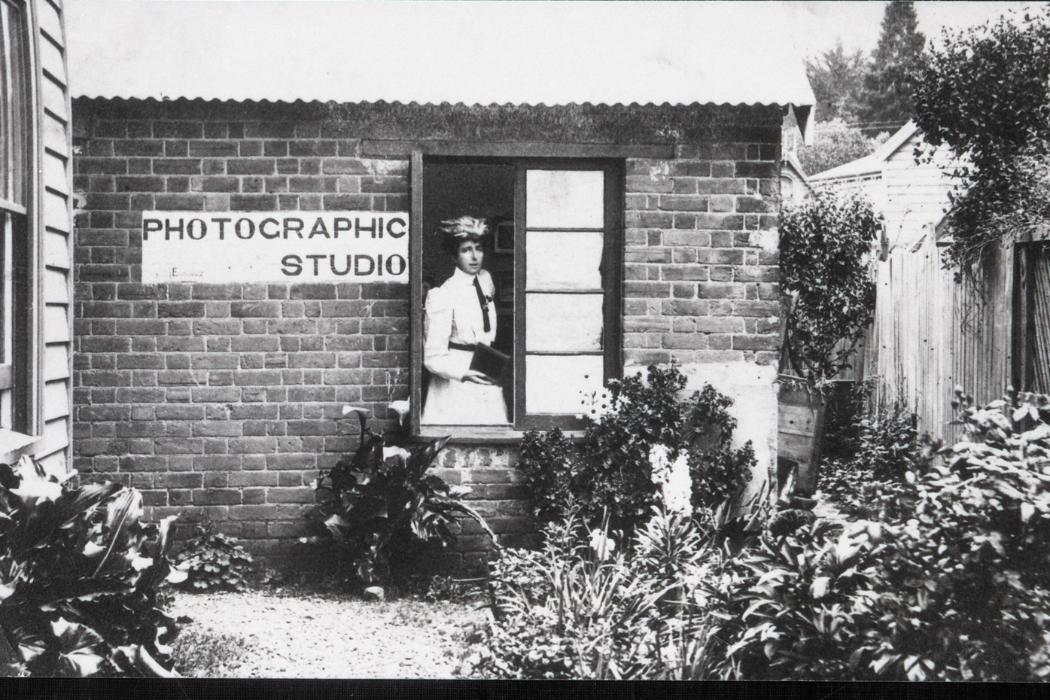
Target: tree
{"x": 888, "y": 84}
{"x": 824, "y": 246}
{"x": 834, "y": 143}
{"x": 837, "y": 77}
{"x": 983, "y": 93}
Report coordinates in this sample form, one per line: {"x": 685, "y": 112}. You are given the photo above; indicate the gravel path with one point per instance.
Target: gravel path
{"x": 261, "y": 634}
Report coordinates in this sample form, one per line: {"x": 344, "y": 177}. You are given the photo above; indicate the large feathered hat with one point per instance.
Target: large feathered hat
{"x": 463, "y": 228}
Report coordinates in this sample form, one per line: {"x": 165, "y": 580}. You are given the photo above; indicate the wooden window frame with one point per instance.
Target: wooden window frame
{"x": 20, "y": 372}
{"x": 610, "y": 268}
{"x": 608, "y": 158}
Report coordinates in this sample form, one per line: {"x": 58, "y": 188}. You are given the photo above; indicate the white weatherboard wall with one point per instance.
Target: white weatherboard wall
{"x": 52, "y": 226}
{"x": 916, "y": 194}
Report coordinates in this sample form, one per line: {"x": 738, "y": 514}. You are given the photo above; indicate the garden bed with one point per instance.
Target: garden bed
{"x": 285, "y": 634}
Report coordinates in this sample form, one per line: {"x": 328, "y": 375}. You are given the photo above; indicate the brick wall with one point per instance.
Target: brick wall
{"x": 220, "y": 400}
{"x": 701, "y": 261}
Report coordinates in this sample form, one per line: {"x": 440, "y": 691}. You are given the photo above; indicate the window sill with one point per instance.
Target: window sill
{"x": 13, "y": 445}
{"x": 476, "y": 435}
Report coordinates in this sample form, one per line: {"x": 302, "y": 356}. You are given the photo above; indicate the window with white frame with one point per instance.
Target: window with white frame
{"x": 15, "y": 178}
{"x": 552, "y": 260}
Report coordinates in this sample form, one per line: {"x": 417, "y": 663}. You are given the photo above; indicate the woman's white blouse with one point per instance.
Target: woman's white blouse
{"x": 453, "y": 314}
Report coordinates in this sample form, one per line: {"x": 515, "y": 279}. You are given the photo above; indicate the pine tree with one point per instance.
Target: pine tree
{"x": 837, "y": 78}
{"x": 888, "y": 84}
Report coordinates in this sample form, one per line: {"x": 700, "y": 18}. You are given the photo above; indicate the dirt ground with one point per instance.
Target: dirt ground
{"x": 275, "y": 634}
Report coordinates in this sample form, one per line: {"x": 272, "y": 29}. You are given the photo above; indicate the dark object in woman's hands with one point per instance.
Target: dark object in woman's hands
{"x": 492, "y": 363}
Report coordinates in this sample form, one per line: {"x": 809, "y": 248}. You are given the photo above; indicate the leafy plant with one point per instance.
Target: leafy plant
{"x": 578, "y": 608}
{"x": 609, "y": 470}
{"x": 212, "y": 561}
{"x": 79, "y": 573}
{"x": 981, "y": 92}
{"x": 382, "y": 502}
{"x": 952, "y": 584}
{"x": 955, "y": 586}
{"x": 824, "y": 245}
{"x": 586, "y": 606}
{"x": 786, "y": 606}
{"x": 885, "y": 447}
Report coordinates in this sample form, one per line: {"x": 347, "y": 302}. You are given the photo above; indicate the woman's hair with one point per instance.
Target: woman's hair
{"x": 464, "y": 228}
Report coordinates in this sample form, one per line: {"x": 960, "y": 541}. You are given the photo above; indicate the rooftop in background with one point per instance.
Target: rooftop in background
{"x": 870, "y": 164}
{"x": 550, "y": 53}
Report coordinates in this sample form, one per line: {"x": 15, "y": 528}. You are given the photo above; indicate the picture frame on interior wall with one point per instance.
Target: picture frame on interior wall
{"x": 504, "y": 238}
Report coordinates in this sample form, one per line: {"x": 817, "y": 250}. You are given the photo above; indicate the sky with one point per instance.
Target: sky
{"x": 818, "y": 24}
{"x": 548, "y": 52}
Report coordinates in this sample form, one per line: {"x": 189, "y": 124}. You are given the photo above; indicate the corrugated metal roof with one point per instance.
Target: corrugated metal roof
{"x": 549, "y": 53}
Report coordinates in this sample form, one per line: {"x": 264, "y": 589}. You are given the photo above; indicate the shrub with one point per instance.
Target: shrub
{"x": 552, "y": 467}
{"x": 953, "y": 585}
{"x": 609, "y": 471}
{"x": 956, "y": 587}
{"x": 212, "y": 561}
{"x": 383, "y": 502}
{"x": 79, "y": 573}
{"x": 824, "y": 246}
{"x": 981, "y": 92}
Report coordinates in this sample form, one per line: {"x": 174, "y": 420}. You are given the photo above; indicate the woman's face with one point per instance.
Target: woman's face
{"x": 469, "y": 256}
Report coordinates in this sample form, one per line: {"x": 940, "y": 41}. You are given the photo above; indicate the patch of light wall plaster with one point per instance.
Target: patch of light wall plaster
{"x": 754, "y": 395}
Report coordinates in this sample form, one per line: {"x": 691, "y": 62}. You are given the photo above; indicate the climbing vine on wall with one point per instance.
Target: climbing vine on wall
{"x": 982, "y": 92}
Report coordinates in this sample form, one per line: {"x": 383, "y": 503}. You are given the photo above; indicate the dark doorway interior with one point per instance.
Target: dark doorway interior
{"x": 485, "y": 189}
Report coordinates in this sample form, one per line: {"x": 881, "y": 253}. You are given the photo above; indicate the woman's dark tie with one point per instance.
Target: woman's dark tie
{"x": 484, "y": 304}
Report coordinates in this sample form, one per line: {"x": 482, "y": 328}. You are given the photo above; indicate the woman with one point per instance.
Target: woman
{"x": 460, "y": 315}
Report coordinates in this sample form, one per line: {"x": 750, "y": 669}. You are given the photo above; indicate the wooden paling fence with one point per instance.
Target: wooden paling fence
{"x": 932, "y": 333}
{"x": 1032, "y": 340}
{"x": 1042, "y": 325}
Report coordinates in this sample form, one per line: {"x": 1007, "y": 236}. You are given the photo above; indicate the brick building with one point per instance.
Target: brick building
{"x": 218, "y": 395}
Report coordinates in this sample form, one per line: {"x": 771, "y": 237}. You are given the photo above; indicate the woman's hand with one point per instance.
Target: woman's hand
{"x": 475, "y": 377}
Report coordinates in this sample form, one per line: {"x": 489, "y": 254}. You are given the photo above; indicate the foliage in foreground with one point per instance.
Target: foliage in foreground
{"x": 600, "y": 604}
{"x": 578, "y": 608}
{"x": 872, "y": 457}
{"x": 382, "y": 503}
{"x": 79, "y": 573}
{"x": 610, "y": 471}
{"x": 212, "y": 562}
{"x": 954, "y": 587}
{"x": 951, "y": 583}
